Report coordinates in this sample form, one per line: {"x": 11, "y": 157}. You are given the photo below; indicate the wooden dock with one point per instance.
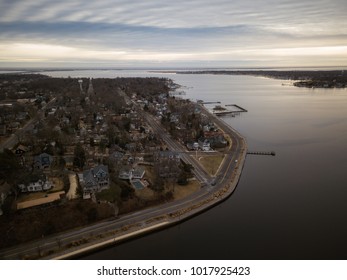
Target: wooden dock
{"x": 272, "y": 153}
{"x": 241, "y": 110}
{"x": 223, "y": 113}
{"x": 211, "y": 102}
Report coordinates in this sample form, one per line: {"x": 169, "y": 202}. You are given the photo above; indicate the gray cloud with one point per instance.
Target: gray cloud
{"x": 216, "y": 28}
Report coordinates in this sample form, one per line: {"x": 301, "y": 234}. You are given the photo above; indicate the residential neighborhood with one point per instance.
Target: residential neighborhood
{"x": 90, "y": 137}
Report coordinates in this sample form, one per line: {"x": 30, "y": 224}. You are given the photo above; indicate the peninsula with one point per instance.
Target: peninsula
{"x": 103, "y": 160}
{"x": 300, "y": 78}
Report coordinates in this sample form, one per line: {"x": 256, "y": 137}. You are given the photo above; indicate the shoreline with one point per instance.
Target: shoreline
{"x": 170, "y": 219}
{"x": 78, "y": 242}
{"x": 216, "y": 197}
{"x": 104, "y": 243}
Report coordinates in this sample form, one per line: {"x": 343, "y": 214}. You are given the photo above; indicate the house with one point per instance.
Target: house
{"x": 68, "y": 161}
{"x": 95, "y": 180}
{"x": 131, "y": 173}
{"x": 218, "y": 141}
{"x": 138, "y": 173}
{"x": 167, "y": 156}
{"x": 125, "y": 173}
{"x": 131, "y": 147}
{"x": 204, "y": 144}
{"x": 43, "y": 161}
{"x": 21, "y": 116}
{"x": 14, "y": 125}
{"x": 21, "y": 149}
{"x": 38, "y": 186}
{"x": 192, "y": 146}
{"x": 116, "y": 157}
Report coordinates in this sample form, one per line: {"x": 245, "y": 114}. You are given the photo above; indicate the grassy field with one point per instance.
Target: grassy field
{"x": 183, "y": 191}
{"x": 211, "y": 163}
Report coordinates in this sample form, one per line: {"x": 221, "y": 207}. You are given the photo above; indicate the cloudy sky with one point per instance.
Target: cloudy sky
{"x": 172, "y": 33}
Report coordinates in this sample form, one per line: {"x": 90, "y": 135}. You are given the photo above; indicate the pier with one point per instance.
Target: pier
{"x": 222, "y": 113}
{"x": 272, "y": 153}
{"x": 241, "y": 110}
{"x": 211, "y": 102}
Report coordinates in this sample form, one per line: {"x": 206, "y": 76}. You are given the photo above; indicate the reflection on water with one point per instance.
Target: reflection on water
{"x": 291, "y": 206}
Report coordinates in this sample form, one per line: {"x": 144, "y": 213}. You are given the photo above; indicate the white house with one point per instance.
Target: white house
{"x": 38, "y": 186}
{"x": 204, "y": 144}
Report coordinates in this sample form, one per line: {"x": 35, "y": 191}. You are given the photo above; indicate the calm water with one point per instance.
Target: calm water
{"x": 292, "y": 206}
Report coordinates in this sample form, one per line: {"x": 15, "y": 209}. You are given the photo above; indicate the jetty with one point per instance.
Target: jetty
{"x": 240, "y": 109}
{"x": 222, "y": 113}
{"x": 272, "y": 153}
{"x": 210, "y": 102}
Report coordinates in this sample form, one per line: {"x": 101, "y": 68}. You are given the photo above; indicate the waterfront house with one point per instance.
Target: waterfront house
{"x": 95, "y": 179}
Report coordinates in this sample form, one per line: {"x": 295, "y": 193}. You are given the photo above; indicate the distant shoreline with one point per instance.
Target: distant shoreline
{"x": 301, "y": 78}
{"x": 321, "y": 77}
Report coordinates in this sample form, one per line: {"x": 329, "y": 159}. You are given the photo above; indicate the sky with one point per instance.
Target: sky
{"x": 167, "y": 33}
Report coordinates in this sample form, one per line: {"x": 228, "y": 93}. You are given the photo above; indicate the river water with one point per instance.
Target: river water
{"x": 291, "y": 206}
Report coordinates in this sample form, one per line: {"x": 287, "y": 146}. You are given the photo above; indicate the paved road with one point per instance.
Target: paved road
{"x": 211, "y": 185}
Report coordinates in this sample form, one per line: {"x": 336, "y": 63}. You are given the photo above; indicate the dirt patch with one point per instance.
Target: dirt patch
{"x": 72, "y": 194}
{"x": 42, "y": 199}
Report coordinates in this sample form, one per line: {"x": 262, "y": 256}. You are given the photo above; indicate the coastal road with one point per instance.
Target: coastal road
{"x": 211, "y": 186}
